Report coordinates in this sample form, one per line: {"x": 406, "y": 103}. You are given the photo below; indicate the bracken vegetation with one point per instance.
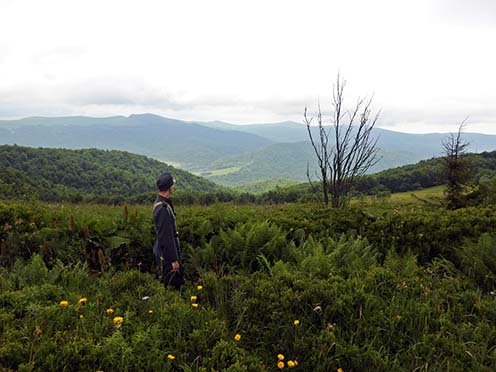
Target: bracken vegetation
{"x": 374, "y": 287}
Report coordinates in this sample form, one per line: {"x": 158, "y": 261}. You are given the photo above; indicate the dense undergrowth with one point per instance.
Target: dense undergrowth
{"x": 402, "y": 289}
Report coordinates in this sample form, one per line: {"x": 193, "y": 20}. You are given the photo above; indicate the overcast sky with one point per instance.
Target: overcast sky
{"x": 429, "y": 64}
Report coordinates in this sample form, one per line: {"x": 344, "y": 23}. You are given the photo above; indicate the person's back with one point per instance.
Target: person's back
{"x": 166, "y": 248}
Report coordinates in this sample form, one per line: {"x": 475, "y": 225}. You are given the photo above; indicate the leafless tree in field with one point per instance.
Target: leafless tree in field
{"x": 457, "y": 169}
{"x": 345, "y": 149}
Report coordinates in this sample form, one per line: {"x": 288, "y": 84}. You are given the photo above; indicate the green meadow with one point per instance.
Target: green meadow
{"x": 397, "y": 284}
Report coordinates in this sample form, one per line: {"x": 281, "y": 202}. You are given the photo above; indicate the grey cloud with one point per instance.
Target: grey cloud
{"x": 117, "y": 91}
{"x": 436, "y": 116}
{"x": 392, "y": 116}
{"x": 118, "y": 95}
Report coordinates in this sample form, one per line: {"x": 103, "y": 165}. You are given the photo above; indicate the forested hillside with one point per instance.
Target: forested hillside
{"x": 426, "y": 173}
{"x": 85, "y": 175}
{"x": 413, "y": 177}
{"x": 115, "y": 176}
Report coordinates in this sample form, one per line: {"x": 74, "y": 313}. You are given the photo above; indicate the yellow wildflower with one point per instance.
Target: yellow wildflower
{"x": 150, "y": 311}
{"x": 82, "y": 301}
{"x": 193, "y": 298}
{"x": 110, "y": 311}
{"x": 296, "y": 322}
{"x": 195, "y": 305}
{"x": 81, "y": 316}
{"x": 340, "y": 370}
{"x": 296, "y": 362}
{"x": 291, "y": 364}
{"x": 64, "y": 303}
{"x": 199, "y": 287}
{"x": 118, "y": 320}
{"x": 280, "y": 356}
{"x": 280, "y": 364}
{"x": 171, "y": 357}
{"x": 237, "y": 337}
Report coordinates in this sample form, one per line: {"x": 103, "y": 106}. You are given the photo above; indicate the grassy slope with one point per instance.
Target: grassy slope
{"x": 354, "y": 312}
{"x": 431, "y": 195}
{"x": 260, "y": 187}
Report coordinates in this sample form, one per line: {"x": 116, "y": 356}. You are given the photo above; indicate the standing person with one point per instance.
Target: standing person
{"x": 166, "y": 248}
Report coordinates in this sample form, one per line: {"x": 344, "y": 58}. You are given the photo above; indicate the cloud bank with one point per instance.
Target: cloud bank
{"x": 429, "y": 64}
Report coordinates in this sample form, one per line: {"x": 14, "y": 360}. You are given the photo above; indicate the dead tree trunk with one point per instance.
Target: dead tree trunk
{"x": 351, "y": 151}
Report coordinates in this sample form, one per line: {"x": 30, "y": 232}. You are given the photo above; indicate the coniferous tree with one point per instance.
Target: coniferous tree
{"x": 457, "y": 169}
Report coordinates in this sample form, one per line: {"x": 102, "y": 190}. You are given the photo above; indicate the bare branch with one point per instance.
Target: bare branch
{"x": 354, "y": 150}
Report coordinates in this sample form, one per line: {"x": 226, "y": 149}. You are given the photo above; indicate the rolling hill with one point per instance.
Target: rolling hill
{"x": 425, "y": 174}
{"x": 222, "y": 152}
{"x": 89, "y": 174}
{"x": 289, "y": 156}
{"x": 186, "y": 145}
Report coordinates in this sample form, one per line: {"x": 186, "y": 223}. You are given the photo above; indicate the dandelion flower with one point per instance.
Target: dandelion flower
{"x": 110, "y": 311}
{"x": 150, "y": 311}
{"x": 195, "y": 305}
{"x": 118, "y": 320}
{"x": 280, "y": 356}
{"x": 64, "y": 303}
{"x": 237, "y": 337}
{"x": 199, "y": 287}
{"x": 280, "y": 364}
{"x": 193, "y": 298}
{"x": 296, "y": 322}
{"x": 171, "y": 357}
{"x": 340, "y": 370}
{"x": 291, "y": 364}
{"x": 82, "y": 301}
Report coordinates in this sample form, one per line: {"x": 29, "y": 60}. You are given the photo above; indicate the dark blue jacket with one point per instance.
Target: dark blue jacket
{"x": 166, "y": 238}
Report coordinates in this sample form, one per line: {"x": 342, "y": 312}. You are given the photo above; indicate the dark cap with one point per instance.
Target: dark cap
{"x": 165, "y": 181}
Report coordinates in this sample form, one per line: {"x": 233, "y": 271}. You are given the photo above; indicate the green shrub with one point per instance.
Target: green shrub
{"x": 478, "y": 261}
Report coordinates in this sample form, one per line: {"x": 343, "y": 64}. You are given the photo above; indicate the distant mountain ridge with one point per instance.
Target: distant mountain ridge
{"x": 224, "y": 153}
{"x": 288, "y": 158}
{"x": 189, "y": 145}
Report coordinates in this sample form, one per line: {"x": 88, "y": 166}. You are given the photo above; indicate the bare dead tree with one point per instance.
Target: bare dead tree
{"x": 457, "y": 169}
{"x": 350, "y": 152}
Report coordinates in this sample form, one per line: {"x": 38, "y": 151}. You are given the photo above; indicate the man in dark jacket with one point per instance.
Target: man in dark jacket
{"x": 166, "y": 248}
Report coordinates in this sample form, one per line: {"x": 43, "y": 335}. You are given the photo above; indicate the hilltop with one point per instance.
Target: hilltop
{"x": 86, "y": 175}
